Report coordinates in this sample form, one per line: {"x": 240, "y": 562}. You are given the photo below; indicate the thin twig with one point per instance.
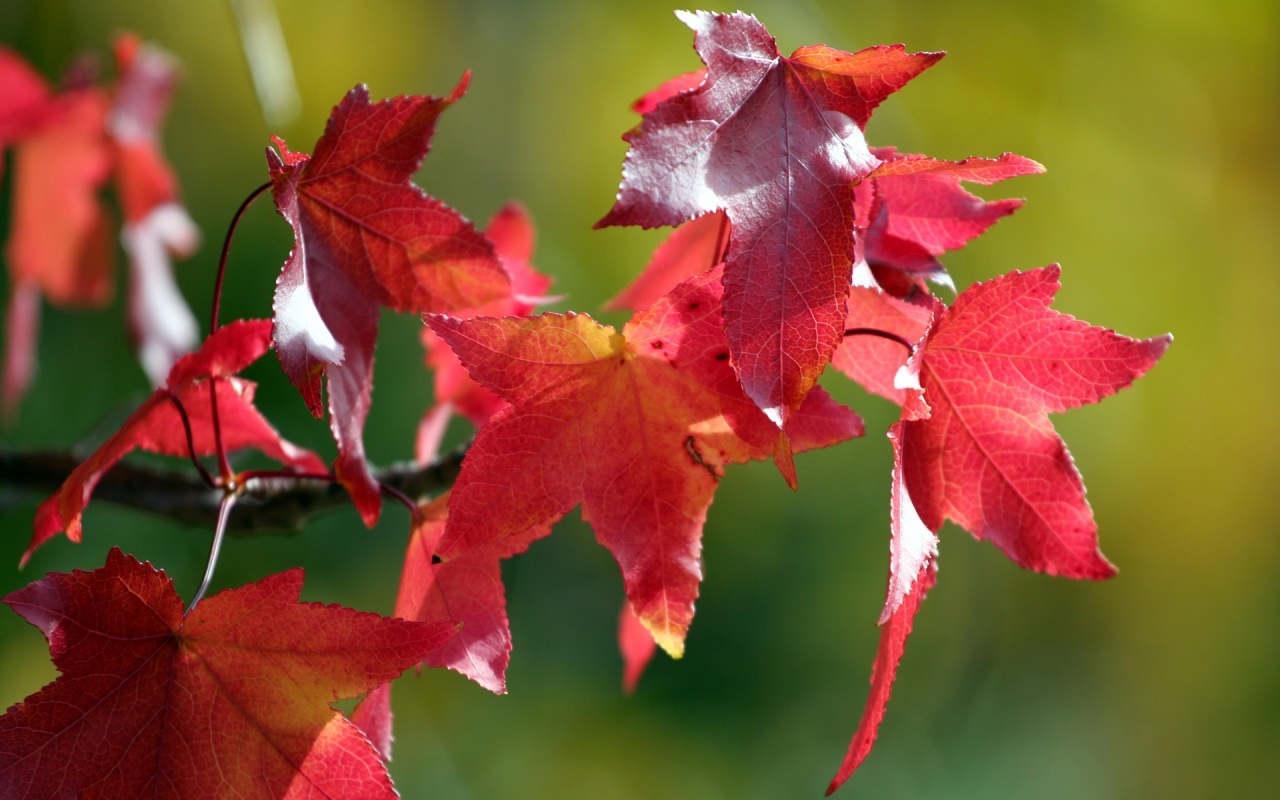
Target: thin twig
{"x": 269, "y": 502}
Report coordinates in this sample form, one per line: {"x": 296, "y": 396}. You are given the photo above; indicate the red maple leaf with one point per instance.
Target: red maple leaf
{"x": 156, "y": 225}
{"x": 913, "y": 208}
{"x": 157, "y": 426}
{"x": 512, "y": 235}
{"x": 231, "y": 700}
{"x": 691, "y": 249}
{"x": 465, "y": 590}
{"x": 636, "y": 426}
{"x": 60, "y": 243}
{"x": 983, "y": 452}
{"x": 366, "y": 237}
{"x": 777, "y": 143}
{"x": 975, "y": 445}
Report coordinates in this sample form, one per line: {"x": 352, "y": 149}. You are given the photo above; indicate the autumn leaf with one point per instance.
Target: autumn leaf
{"x": 636, "y": 645}
{"x": 231, "y": 700}
{"x": 464, "y": 590}
{"x": 157, "y": 426}
{"x": 777, "y": 143}
{"x": 366, "y": 238}
{"x": 60, "y": 241}
{"x": 690, "y": 250}
{"x": 912, "y": 573}
{"x": 985, "y": 454}
{"x": 636, "y": 426}
{"x": 24, "y": 98}
{"x": 669, "y": 89}
{"x": 914, "y": 209}
{"x": 156, "y": 225}
{"x": 512, "y": 235}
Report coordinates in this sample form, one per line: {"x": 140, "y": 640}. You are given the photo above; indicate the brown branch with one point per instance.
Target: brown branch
{"x": 270, "y": 504}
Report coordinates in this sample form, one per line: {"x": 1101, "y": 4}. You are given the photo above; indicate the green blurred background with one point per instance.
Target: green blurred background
{"x": 1157, "y": 121}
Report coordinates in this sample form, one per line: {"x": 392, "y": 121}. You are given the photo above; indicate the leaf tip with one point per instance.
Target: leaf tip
{"x": 461, "y": 89}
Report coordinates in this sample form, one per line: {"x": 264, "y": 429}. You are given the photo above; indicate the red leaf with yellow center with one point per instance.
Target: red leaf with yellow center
{"x": 636, "y": 426}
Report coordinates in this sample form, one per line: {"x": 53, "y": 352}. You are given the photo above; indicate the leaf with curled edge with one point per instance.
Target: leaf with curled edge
{"x": 777, "y": 143}
{"x": 636, "y": 426}
{"x": 984, "y": 453}
{"x": 913, "y": 569}
{"x": 366, "y": 237}
{"x": 157, "y": 426}
{"x": 232, "y": 700}
{"x": 914, "y": 209}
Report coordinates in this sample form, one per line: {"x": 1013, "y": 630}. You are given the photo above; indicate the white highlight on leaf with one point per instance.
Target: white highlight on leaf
{"x": 913, "y": 546}
{"x": 863, "y": 277}
{"x": 908, "y": 376}
{"x": 850, "y": 147}
{"x": 298, "y": 318}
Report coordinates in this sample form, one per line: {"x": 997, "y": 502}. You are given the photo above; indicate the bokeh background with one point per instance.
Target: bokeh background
{"x": 1157, "y": 120}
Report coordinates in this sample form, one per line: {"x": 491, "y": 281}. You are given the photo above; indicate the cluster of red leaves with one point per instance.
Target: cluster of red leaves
{"x": 67, "y": 147}
{"x": 830, "y": 249}
{"x": 798, "y": 246}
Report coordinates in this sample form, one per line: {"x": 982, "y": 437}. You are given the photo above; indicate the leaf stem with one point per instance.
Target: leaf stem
{"x": 191, "y": 442}
{"x": 405, "y": 500}
{"x": 226, "y": 250}
{"x": 219, "y": 533}
{"x": 224, "y": 466}
{"x": 893, "y": 337}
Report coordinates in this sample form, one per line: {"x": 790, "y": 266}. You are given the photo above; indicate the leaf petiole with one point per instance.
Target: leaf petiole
{"x": 219, "y": 533}
{"x": 893, "y": 337}
{"x": 191, "y": 442}
{"x": 226, "y": 250}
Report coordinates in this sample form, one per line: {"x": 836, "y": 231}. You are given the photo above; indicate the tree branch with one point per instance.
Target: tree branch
{"x": 265, "y": 504}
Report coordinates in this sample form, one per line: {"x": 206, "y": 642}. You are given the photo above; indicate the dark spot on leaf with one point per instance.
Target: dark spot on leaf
{"x": 722, "y": 356}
